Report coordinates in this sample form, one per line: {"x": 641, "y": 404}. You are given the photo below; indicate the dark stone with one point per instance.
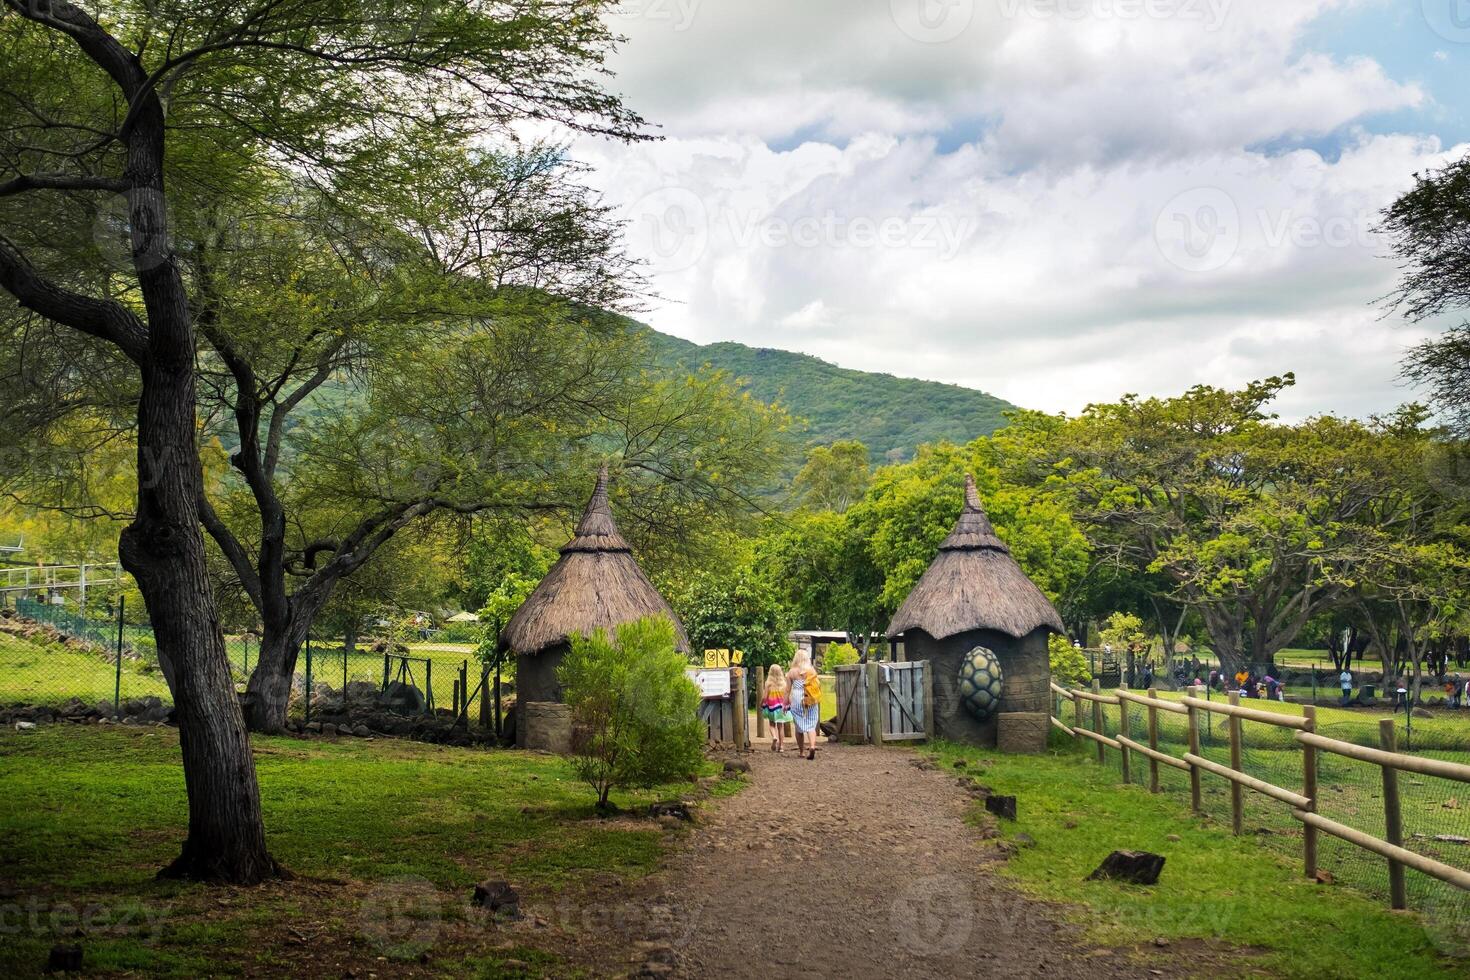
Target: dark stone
{"x": 329, "y": 730}
{"x": 671, "y": 808}
{"x": 959, "y": 763}
{"x": 736, "y": 765}
{"x": 1138, "y": 867}
{"x": 499, "y": 897}
{"x": 361, "y": 731}
{"x": 1002, "y": 806}
{"x": 1025, "y": 840}
{"x": 401, "y": 697}
{"x": 64, "y": 958}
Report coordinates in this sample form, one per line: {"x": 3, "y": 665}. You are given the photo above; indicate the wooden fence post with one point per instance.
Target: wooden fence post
{"x": 1237, "y": 791}
{"x": 1194, "y": 797}
{"x": 927, "y": 666}
{"x": 1153, "y": 741}
{"x": 1309, "y": 790}
{"x": 1393, "y": 815}
{"x": 874, "y": 674}
{"x": 1125, "y": 732}
{"x": 760, "y": 699}
{"x": 740, "y": 709}
{"x": 1097, "y": 722}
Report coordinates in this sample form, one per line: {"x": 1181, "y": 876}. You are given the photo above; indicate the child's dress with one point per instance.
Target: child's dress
{"x": 774, "y": 709}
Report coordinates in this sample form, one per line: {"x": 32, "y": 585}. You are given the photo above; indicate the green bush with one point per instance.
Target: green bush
{"x": 1069, "y": 666}
{"x": 461, "y": 633}
{"x": 636, "y": 712}
{"x": 839, "y": 655}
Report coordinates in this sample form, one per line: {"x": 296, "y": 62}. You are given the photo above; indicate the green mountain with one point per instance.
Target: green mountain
{"x": 891, "y": 416}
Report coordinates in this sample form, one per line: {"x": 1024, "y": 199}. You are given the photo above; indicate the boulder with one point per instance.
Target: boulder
{"x": 361, "y": 731}
{"x": 64, "y": 958}
{"x": 677, "y": 809}
{"x": 1138, "y": 867}
{"x": 329, "y": 730}
{"x": 734, "y": 766}
{"x": 1423, "y": 713}
{"x": 499, "y": 897}
{"x": 403, "y": 698}
{"x": 1002, "y": 806}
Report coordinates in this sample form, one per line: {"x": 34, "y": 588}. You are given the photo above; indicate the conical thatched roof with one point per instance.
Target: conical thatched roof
{"x": 974, "y": 584}
{"x": 596, "y": 584}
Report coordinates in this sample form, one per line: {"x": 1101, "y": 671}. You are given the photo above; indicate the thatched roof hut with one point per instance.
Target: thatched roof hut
{"x": 596, "y": 584}
{"x": 975, "y": 584}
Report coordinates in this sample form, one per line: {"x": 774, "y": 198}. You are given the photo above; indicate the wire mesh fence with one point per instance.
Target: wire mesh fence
{"x": 104, "y": 661}
{"x": 1434, "y": 812}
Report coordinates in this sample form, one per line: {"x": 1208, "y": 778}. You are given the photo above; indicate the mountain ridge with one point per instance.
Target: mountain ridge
{"x": 889, "y": 414}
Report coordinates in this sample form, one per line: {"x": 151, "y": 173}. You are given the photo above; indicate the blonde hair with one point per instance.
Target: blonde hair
{"x": 800, "y": 664}
{"x": 776, "y": 680}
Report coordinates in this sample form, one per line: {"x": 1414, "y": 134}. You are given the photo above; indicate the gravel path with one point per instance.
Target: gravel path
{"x": 858, "y": 864}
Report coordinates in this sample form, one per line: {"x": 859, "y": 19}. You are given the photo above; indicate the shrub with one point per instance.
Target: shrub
{"x": 1069, "y": 666}
{"x": 839, "y": 655}
{"x": 636, "y": 713}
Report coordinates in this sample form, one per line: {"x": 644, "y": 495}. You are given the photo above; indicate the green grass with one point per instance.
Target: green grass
{"x": 89, "y": 815}
{"x": 1225, "y": 891}
{"x": 46, "y": 673}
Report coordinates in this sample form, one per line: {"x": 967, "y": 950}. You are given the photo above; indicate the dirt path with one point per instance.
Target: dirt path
{"x": 859, "y": 864}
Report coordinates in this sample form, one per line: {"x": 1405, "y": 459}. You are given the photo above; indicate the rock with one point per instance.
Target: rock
{"x": 1173, "y": 838}
{"x": 499, "y": 897}
{"x": 404, "y": 698}
{"x": 736, "y": 766}
{"x": 362, "y": 731}
{"x": 677, "y": 809}
{"x": 64, "y": 958}
{"x": 1423, "y": 713}
{"x": 314, "y": 727}
{"x": 1161, "y": 942}
{"x": 1323, "y": 877}
{"x": 25, "y": 726}
{"x": 1002, "y": 806}
{"x": 959, "y": 763}
{"x": 329, "y": 730}
{"x": 1138, "y": 867}
{"x": 1024, "y": 840}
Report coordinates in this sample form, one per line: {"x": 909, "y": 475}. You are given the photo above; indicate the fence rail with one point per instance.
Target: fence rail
{"x": 1301, "y": 805}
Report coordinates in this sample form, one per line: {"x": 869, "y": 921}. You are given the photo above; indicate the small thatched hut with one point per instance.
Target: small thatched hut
{"x": 596, "y": 584}
{"x": 983, "y": 626}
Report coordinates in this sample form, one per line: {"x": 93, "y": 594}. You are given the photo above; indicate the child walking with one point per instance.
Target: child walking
{"x": 776, "y": 706}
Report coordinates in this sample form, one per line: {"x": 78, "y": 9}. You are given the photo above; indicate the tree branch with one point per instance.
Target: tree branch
{"x": 105, "y": 319}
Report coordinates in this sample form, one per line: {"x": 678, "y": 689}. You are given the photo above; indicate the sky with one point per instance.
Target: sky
{"x": 1055, "y": 201}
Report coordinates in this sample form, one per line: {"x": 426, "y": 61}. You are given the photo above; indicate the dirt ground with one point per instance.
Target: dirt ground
{"x": 858, "y": 864}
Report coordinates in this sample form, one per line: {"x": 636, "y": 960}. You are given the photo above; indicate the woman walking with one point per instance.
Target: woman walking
{"x": 776, "y": 706}
{"x": 806, "y": 702}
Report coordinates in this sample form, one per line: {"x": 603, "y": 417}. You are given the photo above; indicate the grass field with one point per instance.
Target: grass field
{"x": 44, "y": 673}
{"x": 386, "y": 839}
{"x": 1215, "y": 888}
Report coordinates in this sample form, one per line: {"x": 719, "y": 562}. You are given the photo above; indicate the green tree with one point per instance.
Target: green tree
{"x": 136, "y": 121}
{"x": 1069, "y": 667}
{"x": 735, "y": 609}
{"x": 820, "y": 565}
{"x": 636, "y": 709}
{"x": 834, "y": 477}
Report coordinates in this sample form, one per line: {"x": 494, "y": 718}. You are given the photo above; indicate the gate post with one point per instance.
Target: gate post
{"x": 740, "y": 709}
{"x": 927, "y": 666}
{"x": 760, "y": 697}
{"x": 874, "y": 700}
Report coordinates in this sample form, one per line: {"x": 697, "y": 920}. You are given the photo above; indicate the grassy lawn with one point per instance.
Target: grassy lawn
{"x": 1215, "y": 888}
{"x": 386, "y": 839}
{"x": 44, "y": 673}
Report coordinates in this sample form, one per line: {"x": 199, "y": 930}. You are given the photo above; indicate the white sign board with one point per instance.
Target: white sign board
{"x": 711, "y": 683}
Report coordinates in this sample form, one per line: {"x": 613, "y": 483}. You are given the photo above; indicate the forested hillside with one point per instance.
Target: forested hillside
{"x": 891, "y": 416}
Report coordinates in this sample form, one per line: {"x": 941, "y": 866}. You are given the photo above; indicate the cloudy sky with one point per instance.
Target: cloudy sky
{"x": 1057, "y": 201}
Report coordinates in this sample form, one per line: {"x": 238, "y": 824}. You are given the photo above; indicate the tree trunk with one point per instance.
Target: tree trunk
{"x": 268, "y": 692}
{"x": 164, "y": 551}
{"x": 349, "y": 640}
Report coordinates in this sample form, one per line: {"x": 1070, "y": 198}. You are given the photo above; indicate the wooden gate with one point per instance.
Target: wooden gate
{"x": 899, "y": 696}
{"x": 726, "y": 716}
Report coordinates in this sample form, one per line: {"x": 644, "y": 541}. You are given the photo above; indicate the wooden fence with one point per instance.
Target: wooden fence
{"x": 898, "y": 696}
{"x": 1087, "y": 724}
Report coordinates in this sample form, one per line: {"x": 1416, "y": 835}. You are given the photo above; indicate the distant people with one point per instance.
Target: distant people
{"x": 1401, "y": 695}
{"x": 776, "y": 706}
{"x": 1345, "y": 680}
{"x": 1451, "y": 694}
{"x": 806, "y": 702}
{"x": 1272, "y": 687}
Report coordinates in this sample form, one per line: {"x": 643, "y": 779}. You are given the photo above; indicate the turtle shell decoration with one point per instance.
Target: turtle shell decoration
{"x": 980, "y": 682}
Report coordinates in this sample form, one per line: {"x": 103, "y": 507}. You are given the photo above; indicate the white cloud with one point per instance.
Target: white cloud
{"x": 1053, "y": 208}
